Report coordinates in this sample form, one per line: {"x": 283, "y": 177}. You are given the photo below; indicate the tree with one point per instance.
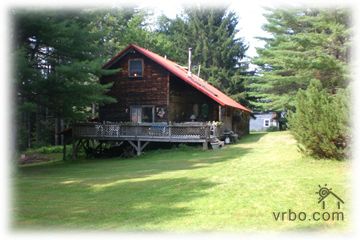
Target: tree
{"x": 211, "y": 33}
{"x": 320, "y": 123}
{"x": 57, "y": 67}
{"x": 306, "y": 44}
{"x": 121, "y": 27}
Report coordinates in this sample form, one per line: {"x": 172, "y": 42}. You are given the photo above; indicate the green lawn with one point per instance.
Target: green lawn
{"x": 236, "y": 188}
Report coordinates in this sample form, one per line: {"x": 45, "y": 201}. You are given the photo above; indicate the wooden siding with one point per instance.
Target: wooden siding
{"x": 182, "y": 100}
{"x": 240, "y": 122}
{"x": 150, "y": 89}
{"x": 227, "y": 118}
{"x": 158, "y": 88}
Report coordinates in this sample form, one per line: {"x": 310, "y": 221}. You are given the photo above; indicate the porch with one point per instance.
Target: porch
{"x": 139, "y": 135}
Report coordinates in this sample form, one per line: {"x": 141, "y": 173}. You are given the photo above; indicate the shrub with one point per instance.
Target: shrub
{"x": 272, "y": 129}
{"x": 47, "y": 149}
{"x": 320, "y": 122}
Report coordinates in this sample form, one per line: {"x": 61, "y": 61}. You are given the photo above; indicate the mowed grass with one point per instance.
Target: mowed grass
{"x": 234, "y": 189}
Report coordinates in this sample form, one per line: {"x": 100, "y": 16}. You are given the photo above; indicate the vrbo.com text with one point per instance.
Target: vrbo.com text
{"x": 303, "y": 216}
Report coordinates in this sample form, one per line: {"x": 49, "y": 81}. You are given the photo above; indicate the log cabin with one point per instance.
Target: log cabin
{"x": 159, "y": 100}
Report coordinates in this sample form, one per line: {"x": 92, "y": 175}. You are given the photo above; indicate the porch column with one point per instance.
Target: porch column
{"x": 138, "y": 149}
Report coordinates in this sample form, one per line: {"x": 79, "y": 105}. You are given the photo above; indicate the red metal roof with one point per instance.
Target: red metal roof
{"x": 196, "y": 82}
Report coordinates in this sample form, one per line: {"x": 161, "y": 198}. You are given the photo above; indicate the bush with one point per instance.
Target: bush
{"x": 272, "y": 129}
{"x": 320, "y": 122}
{"x": 47, "y": 149}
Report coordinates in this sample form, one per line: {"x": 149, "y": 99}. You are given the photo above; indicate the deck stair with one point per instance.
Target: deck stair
{"x": 216, "y": 143}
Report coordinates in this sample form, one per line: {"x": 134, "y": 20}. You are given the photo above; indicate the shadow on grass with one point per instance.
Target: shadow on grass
{"x": 119, "y": 194}
{"x": 150, "y": 163}
{"x": 252, "y": 137}
{"x": 137, "y": 205}
{"x": 154, "y": 201}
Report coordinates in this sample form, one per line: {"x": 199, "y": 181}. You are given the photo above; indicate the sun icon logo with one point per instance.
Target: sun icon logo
{"x": 324, "y": 192}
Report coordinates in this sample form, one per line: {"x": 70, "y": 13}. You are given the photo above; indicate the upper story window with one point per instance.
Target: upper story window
{"x": 136, "y": 67}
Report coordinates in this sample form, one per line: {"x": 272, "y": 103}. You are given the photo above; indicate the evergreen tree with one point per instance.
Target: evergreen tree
{"x": 320, "y": 123}
{"x": 211, "y": 33}
{"x": 57, "y": 67}
{"x": 121, "y": 27}
{"x": 306, "y": 44}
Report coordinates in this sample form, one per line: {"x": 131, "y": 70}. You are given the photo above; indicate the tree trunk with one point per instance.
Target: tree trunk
{"x": 37, "y": 124}
{"x": 56, "y": 136}
{"x": 62, "y": 129}
{"x": 28, "y": 128}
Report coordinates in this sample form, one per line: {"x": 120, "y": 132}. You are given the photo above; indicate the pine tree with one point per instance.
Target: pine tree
{"x": 306, "y": 44}
{"x": 320, "y": 123}
{"x": 120, "y": 27}
{"x": 57, "y": 68}
{"x": 211, "y": 33}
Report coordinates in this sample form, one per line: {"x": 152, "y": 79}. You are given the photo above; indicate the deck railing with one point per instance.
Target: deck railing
{"x": 192, "y": 131}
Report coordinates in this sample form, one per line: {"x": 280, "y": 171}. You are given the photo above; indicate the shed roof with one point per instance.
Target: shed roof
{"x": 179, "y": 71}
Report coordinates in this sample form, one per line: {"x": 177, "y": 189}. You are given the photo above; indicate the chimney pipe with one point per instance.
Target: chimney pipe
{"x": 189, "y": 66}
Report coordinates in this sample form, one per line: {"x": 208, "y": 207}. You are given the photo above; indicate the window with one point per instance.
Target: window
{"x": 142, "y": 114}
{"x": 147, "y": 114}
{"x": 135, "y": 114}
{"x": 135, "y": 68}
{"x": 266, "y": 122}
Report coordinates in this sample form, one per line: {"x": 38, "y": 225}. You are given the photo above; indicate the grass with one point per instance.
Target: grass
{"x": 187, "y": 189}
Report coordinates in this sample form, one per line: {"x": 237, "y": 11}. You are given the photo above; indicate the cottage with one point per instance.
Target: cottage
{"x": 262, "y": 121}
{"x": 162, "y": 101}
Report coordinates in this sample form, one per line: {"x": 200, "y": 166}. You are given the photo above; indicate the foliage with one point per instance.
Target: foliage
{"x": 57, "y": 66}
{"x": 216, "y": 49}
{"x": 58, "y": 60}
{"x": 305, "y": 44}
{"x": 58, "y": 55}
{"x": 320, "y": 122}
{"x": 272, "y": 129}
{"x": 120, "y": 27}
{"x": 47, "y": 149}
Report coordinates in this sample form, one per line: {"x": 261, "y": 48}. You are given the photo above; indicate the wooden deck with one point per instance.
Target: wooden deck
{"x": 138, "y": 134}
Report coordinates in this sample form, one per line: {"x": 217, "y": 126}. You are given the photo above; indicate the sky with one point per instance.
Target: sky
{"x": 250, "y": 13}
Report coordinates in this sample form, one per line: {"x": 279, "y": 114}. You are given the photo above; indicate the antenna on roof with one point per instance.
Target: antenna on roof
{"x": 199, "y": 70}
{"x": 189, "y": 66}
